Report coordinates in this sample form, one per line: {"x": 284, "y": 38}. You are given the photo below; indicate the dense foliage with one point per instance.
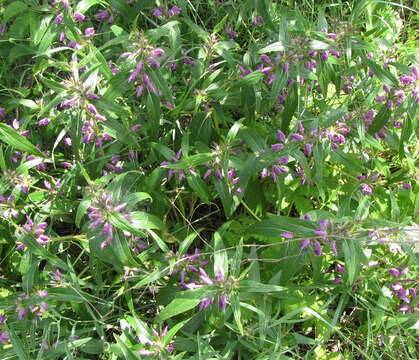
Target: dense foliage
{"x": 208, "y": 179}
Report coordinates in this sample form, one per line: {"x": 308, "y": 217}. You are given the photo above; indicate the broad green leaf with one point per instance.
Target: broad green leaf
{"x": 13, "y": 9}
{"x": 19, "y": 142}
{"x": 185, "y": 301}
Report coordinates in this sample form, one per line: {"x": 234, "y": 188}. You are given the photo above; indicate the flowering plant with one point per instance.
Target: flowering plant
{"x": 208, "y": 180}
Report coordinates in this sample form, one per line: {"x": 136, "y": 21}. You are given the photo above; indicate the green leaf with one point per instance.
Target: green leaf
{"x": 351, "y": 260}
{"x": 184, "y": 246}
{"x": 18, "y": 345}
{"x": 128, "y": 353}
{"x": 276, "y": 46}
{"x": 84, "y": 5}
{"x": 14, "y": 8}
{"x": 277, "y": 224}
{"x": 198, "y": 185}
{"x": 19, "y": 142}
{"x": 184, "y": 301}
{"x": 257, "y": 287}
{"x": 380, "y": 120}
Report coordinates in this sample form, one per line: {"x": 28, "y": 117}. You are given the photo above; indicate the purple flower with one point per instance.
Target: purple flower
{"x": 264, "y": 173}
{"x": 44, "y": 121}
{"x": 91, "y": 109}
{"x": 286, "y": 67}
{"x": 92, "y": 96}
{"x": 407, "y": 186}
{"x": 304, "y": 244}
{"x": 43, "y": 293}
{"x": 222, "y": 301}
{"x": 324, "y": 55}
{"x": 320, "y": 232}
{"x": 75, "y": 45}
{"x": 340, "y": 268}
{"x": 406, "y": 79}
{"x": 148, "y": 83}
{"x": 204, "y": 303}
{"x": 277, "y": 147}
{"x": 365, "y": 189}
{"x": 2, "y": 112}
{"x": 280, "y": 136}
{"x": 287, "y": 235}
{"x": 231, "y": 33}
{"x": 158, "y": 52}
{"x": 335, "y": 53}
{"x": 157, "y": 12}
{"x": 101, "y": 15}
{"x": 58, "y": 19}
{"x": 174, "y": 10}
{"x": 4, "y": 338}
{"x": 308, "y": 149}
{"x": 153, "y": 62}
{"x": 21, "y": 313}
{"x": 89, "y": 31}
{"x": 317, "y": 248}
{"x": 79, "y": 17}
{"x": 394, "y": 272}
{"x": 188, "y": 61}
{"x": 265, "y": 58}
{"x": 204, "y": 277}
{"x": 297, "y": 137}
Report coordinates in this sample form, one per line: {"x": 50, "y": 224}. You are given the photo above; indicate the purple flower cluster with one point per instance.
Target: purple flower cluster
{"x": 15, "y": 125}
{"x": 324, "y": 233}
{"x": 406, "y": 295}
{"x": 37, "y": 230}
{"x": 340, "y": 270}
{"x": 193, "y": 276}
{"x": 98, "y": 213}
{"x": 258, "y": 21}
{"x": 365, "y": 188}
{"x": 277, "y": 169}
{"x": 189, "y": 265}
{"x": 108, "y": 15}
{"x": 180, "y": 173}
{"x": 155, "y": 346}
{"x": 148, "y": 56}
{"x": 165, "y": 12}
{"x": 4, "y": 336}
{"x": 219, "y": 280}
{"x": 7, "y": 207}
{"x": 232, "y": 34}
{"x": 392, "y": 97}
{"x": 216, "y": 170}
{"x": 38, "y": 308}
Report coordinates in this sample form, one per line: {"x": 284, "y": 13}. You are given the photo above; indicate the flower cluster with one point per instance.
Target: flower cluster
{"x": 7, "y": 207}
{"x": 4, "y": 336}
{"x": 37, "y": 230}
{"x": 401, "y": 291}
{"x": 324, "y": 233}
{"x": 38, "y": 308}
{"x": 188, "y": 265}
{"x": 165, "y": 12}
{"x": 366, "y": 188}
{"x": 219, "y": 281}
{"x": 99, "y": 212}
{"x": 156, "y": 345}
